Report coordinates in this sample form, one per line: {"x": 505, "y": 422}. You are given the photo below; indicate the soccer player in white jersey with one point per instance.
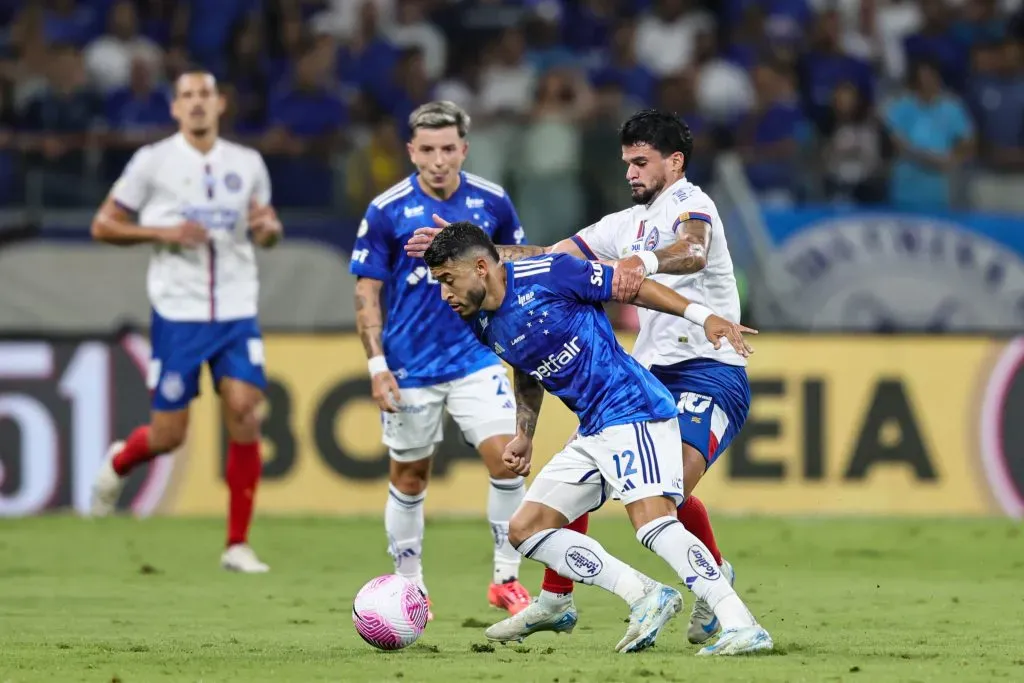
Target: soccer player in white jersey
{"x": 544, "y": 317}
{"x": 423, "y": 360}
{"x": 199, "y": 201}
{"x": 673, "y": 234}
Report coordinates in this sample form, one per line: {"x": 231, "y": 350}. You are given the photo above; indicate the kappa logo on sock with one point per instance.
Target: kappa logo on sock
{"x": 500, "y": 534}
{"x": 583, "y": 562}
{"x": 700, "y": 563}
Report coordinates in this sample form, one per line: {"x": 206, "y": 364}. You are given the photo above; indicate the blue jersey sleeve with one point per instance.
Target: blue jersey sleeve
{"x": 587, "y": 281}
{"x": 375, "y": 246}
{"x": 509, "y": 231}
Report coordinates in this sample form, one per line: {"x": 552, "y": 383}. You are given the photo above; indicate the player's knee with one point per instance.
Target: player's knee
{"x": 523, "y": 525}
{"x": 411, "y": 477}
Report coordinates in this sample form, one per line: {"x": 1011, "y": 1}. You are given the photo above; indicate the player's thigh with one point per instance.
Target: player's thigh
{"x": 483, "y": 406}
{"x": 178, "y": 352}
{"x": 412, "y": 433}
{"x": 570, "y": 483}
{"x": 711, "y": 418}
{"x": 639, "y": 461}
{"x": 238, "y": 366}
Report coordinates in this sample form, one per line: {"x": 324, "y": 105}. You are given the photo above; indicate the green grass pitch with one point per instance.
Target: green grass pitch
{"x": 129, "y": 601}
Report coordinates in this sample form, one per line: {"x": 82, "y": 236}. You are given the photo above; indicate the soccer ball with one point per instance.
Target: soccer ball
{"x": 390, "y": 612}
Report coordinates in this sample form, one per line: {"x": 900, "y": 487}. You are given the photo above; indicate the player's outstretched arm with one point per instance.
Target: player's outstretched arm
{"x": 370, "y": 324}
{"x": 113, "y": 224}
{"x": 658, "y": 297}
{"x": 423, "y": 237}
{"x": 529, "y": 398}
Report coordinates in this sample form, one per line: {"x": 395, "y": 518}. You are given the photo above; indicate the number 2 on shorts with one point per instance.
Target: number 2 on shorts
{"x": 626, "y": 457}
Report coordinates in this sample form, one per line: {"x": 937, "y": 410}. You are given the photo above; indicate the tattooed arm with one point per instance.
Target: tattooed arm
{"x": 690, "y": 253}
{"x": 370, "y": 323}
{"x": 529, "y": 397}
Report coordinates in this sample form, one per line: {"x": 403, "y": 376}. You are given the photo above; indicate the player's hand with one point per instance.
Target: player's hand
{"x": 263, "y": 223}
{"x": 420, "y": 241}
{"x": 385, "y": 392}
{"x": 629, "y": 275}
{"x": 185, "y": 234}
{"x": 717, "y": 328}
{"x": 518, "y": 454}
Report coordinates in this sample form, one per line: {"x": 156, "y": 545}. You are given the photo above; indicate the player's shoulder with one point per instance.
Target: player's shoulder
{"x": 691, "y": 202}
{"x": 240, "y": 151}
{"x": 393, "y": 195}
{"x": 486, "y": 187}
{"x": 540, "y": 269}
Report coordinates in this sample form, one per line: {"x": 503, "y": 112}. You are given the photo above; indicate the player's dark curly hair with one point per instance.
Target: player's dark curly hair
{"x": 456, "y": 241}
{"x": 661, "y": 130}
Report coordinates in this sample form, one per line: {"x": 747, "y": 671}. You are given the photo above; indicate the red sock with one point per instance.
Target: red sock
{"x": 134, "y": 453}
{"x": 694, "y": 517}
{"x": 242, "y": 474}
{"x": 553, "y": 583}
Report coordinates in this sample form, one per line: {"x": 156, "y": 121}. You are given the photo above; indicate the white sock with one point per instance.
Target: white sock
{"x": 403, "y": 522}
{"x": 582, "y": 559}
{"x": 697, "y": 568}
{"x": 502, "y": 502}
{"x": 554, "y": 600}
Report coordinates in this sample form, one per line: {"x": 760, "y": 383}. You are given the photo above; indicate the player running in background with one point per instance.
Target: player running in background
{"x": 544, "y": 317}
{"x": 197, "y": 199}
{"x": 673, "y": 233}
{"x": 423, "y": 360}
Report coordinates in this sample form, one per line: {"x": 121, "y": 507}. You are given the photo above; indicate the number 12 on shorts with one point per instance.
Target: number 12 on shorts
{"x": 624, "y": 464}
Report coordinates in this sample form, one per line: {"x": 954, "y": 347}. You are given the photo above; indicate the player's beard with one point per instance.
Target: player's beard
{"x": 647, "y": 194}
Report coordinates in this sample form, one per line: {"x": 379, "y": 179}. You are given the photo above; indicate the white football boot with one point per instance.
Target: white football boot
{"x": 739, "y": 641}
{"x": 703, "y": 622}
{"x": 648, "y": 615}
{"x": 241, "y": 558}
{"x": 538, "y": 616}
{"x": 107, "y": 487}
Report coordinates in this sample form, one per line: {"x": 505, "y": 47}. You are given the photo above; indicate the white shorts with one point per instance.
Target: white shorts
{"x": 631, "y": 462}
{"x": 481, "y": 403}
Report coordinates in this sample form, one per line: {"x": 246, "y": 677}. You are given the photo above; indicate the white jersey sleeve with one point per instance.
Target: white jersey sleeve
{"x": 132, "y": 189}
{"x": 601, "y": 240}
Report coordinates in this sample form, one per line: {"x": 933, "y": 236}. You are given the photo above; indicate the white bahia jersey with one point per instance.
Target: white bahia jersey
{"x": 171, "y": 181}
{"x": 667, "y": 339}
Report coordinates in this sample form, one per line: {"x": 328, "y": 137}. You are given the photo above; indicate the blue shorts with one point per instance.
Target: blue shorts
{"x": 232, "y": 349}
{"x": 713, "y": 401}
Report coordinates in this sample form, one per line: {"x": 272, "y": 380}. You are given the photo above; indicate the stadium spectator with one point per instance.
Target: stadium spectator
{"x": 137, "y": 114}
{"x": 252, "y": 72}
{"x": 507, "y": 81}
{"x": 61, "y": 122}
{"x": 677, "y": 94}
{"x": 589, "y": 25}
{"x": 376, "y": 166}
{"x": 981, "y": 22}
{"x": 852, "y": 150}
{"x": 205, "y": 27}
{"x": 937, "y": 43}
{"x": 932, "y": 134}
{"x": 543, "y": 31}
{"x": 769, "y": 137}
{"x": 996, "y": 98}
{"x": 666, "y": 34}
{"x": 366, "y": 55}
{"x": 71, "y": 22}
{"x": 109, "y": 58}
{"x": 825, "y": 66}
{"x": 723, "y": 91}
{"x": 411, "y": 28}
{"x": 408, "y": 88}
{"x": 622, "y": 67}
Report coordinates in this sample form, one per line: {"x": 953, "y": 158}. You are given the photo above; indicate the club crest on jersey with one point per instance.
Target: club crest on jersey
{"x": 233, "y": 181}
{"x": 646, "y": 240}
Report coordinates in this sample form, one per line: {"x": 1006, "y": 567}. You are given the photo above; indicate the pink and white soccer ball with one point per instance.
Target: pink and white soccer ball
{"x": 390, "y": 612}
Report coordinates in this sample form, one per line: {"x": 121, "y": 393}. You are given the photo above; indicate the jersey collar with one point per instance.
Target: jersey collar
{"x": 214, "y": 152}
{"x": 682, "y": 182}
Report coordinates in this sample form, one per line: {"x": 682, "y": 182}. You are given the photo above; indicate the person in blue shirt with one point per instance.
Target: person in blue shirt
{"x": 423, "y": 360}
{"x": 544, "y": 317}
{"x": 933, "y": 136}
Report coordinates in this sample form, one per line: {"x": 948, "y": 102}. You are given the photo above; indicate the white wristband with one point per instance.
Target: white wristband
{"x": 650, "y": 260}
{"x": 379, "y": 364}
{"x": 697, "y": 314}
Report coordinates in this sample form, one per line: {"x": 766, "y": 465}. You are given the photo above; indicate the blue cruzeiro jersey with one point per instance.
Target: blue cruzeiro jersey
{"x": 424, "y": 340}
{"x": 552, "y": 325}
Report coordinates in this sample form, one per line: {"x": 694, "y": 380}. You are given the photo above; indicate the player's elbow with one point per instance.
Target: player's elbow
{"x": 98, "y": 229}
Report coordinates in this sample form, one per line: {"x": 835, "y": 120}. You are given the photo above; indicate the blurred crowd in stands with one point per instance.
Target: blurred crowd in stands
{"x": 847, "y": 101}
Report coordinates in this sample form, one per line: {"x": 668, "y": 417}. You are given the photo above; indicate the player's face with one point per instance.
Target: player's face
{"x": 438, "y": 155}
{"x": 648, "y": 172}
{"x": 462, "y": 285}
{"x": 197, "y": 104}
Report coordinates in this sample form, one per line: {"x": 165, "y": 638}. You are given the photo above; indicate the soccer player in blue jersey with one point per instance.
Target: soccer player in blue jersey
{"x": 544, "y": 317}
{"x": 423, "y": 360}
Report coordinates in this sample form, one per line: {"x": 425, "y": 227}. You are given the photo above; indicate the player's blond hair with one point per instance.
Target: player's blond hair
{"x": 441, "y": 114}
